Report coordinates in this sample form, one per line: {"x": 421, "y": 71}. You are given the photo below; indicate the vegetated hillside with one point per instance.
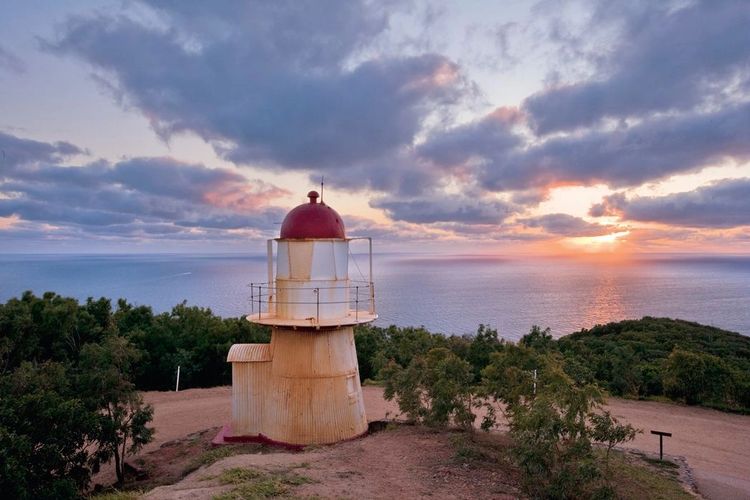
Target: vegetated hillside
{"x": 70, "y": 372}
{"x": 660, "y": 356}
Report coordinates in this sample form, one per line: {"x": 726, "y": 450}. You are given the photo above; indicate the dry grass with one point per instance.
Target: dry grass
{"x": 633, "y": 476}
{"x": 256, "y": 484}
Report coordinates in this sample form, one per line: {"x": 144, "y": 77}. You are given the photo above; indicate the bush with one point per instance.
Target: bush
{"x": 434, "y": 389}
{"x": 553, "y": 420}
{"x": 696, "y": 377}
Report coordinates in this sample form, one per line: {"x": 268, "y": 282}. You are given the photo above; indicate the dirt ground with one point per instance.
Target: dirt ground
{"x": 412, "y": 462}
{"x": 716, "y": 445}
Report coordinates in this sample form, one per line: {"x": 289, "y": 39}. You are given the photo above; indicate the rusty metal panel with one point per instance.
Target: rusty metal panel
{"x": 248, "y": 353}
{"x": 308, "y": 394}
{"x": 250, "y": 381}
{"x": 314, "y": 411}
{"x": 317, "y": 397}
{"x": 314, "y": 353}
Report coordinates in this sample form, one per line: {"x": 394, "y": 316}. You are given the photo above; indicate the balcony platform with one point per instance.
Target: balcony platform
{"x": 352, "y": 318}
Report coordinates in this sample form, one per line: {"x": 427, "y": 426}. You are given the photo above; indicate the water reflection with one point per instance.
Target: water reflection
{"x": 450, "y": 295}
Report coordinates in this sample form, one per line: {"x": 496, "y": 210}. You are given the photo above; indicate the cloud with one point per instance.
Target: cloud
{"x": 446, "y": 208}
{"x": 491, "y": 136}
{"x": 139, "y": 196}
{"x": 396, "y": 231}
{"x": 17, "y": 151}
{"x": 10, "y": 62}
{"x": 722, "y": 204}
{"x": 281, "y": 85}
{"x": 653, "y": 149}
{"x": 566, "y": 225}
{"x": 666, "y": 58}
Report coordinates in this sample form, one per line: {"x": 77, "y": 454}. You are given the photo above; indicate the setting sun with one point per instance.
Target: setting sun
{"x": 605, "y": 243}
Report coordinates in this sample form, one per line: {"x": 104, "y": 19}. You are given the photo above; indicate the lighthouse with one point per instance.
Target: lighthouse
{"x": 303, "y": 387}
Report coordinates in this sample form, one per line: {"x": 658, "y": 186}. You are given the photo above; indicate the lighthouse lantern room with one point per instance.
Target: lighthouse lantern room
{"x": 303, "y": 388}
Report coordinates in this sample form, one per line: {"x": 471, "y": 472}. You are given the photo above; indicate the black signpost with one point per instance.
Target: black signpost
{"x": 661, "y": 435}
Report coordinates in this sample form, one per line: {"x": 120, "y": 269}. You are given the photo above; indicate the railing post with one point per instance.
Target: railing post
{"x": 260, "y": 293}
{"x": 252, "y": 299}
{"x": 317, "y": 304}
{"x": 372, "y": 297}
{"x": 356, "y": 303}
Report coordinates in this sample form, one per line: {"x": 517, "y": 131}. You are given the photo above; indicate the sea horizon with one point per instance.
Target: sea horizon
{"x": 446, "y": 293}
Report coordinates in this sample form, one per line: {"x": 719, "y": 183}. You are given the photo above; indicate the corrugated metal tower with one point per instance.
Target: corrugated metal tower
{"x": 303, "y": 388}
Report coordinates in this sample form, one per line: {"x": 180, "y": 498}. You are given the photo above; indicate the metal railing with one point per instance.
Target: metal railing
{"x": 264, "y": 297}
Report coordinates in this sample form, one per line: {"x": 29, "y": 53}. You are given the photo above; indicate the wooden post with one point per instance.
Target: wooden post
{"x": 177, "y": 386}
{"x": 661, "y": 435}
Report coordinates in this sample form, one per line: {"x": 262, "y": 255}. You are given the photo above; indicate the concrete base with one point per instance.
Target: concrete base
{"x": 225, "y": 436}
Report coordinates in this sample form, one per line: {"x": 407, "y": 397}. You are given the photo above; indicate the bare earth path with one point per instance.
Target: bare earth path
{"x": 715, "y": 444}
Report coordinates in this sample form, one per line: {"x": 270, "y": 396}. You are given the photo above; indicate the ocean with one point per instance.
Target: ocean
{"x": 448, "y": 294}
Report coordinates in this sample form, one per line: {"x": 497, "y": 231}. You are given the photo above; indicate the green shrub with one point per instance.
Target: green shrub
{"x": 435, "y": 389}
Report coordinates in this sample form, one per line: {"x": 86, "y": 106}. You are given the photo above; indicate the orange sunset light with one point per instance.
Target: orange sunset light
{"x": 605, "y": 243}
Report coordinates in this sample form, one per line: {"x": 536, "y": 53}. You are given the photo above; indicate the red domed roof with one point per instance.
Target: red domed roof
{"x": 312, "y": 220}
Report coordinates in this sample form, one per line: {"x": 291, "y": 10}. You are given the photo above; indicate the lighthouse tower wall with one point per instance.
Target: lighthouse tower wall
{"x": 312, "y": 279}
{"x": 316, "y": 397}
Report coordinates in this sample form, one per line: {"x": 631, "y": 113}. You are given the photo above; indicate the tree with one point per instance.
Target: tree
{"x": 483, "y": 344}
{"x": 606, "y": 429}
{"x": 696, "y": 377}
{"x": 552, "y": 419}
{"x": 122, "y": 417}
{"x": 551, "y": 436}
{"x": 538, "y": 339}
{"x": 369, "y": 341}
{"x": 45, "y": 430}
{"x": 434, "y": 389}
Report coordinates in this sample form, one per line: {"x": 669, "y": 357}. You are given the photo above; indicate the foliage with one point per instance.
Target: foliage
{"x": 635, "y": 358}
{"x": 44, "y": 428}
{"x": 629, "y": 358}
{"x": 538, "y": 339}
{"x": 68, "y": 403}
{"x": 434, "y": 389}
{"x": 122, "y": 417}
{"x": 695, "y": 377}
{"x": 70, "y": 371}
{"x": 548, "y": 421}
{"x": 606, "y": 429}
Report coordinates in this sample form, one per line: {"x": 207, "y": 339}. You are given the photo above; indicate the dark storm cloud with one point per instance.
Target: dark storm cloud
{"x": 566, "y": 225}
{"x": 140, "y": 195}
{"x": 665, "y": 58}
{"x": 446, "y": 208}
{"x": 723, "y": 204}
{"x": 278, "y": 84}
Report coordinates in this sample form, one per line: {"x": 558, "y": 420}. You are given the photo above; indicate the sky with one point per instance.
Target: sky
{"x": 581, "y": 127}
